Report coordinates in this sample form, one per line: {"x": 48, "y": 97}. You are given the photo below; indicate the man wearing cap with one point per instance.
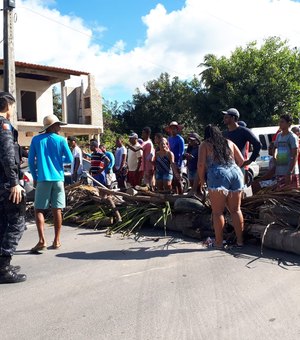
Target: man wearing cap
{"x": 12, "y": 195}
{"x": 76, "y": 166}
{"x": 240, "y": 135}
{"x": 176, "y": 143}
{"x": 191, "y": 156}
{"x": 48, "y": 151}
{"x": 134, "y": 161}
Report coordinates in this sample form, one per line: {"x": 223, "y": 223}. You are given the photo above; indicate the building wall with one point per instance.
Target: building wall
{"x": 44, "y": 100}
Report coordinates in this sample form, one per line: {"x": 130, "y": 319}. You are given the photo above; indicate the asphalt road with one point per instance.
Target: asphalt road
{"x": 96, "y": 287}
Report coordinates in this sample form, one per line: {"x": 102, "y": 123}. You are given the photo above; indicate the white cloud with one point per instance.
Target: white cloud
{"x": 175, "y": 42}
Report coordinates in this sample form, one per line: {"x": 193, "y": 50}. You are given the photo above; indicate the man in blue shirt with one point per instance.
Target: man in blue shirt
{"x": 48, "y": 152}
{"x": 109, "y": 169}
{"x": 176, "y": 143}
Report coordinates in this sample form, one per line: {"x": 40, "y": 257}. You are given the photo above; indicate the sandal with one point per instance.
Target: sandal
{"x": 56, "y": 245}
{"x": 38, "y": 248}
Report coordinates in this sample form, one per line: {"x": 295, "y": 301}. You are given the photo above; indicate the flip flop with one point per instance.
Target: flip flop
{"x": 56, "y": 245}
{"x": 38, "y": 248}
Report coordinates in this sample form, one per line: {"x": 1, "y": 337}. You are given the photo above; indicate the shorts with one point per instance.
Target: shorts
{"x": 134, "y": 177}
{"x": 101, "y": 178}
{"x": 192, "y": 174}
{"x": 226, "y": 179}
{"x": 160, "y": 176}
{"x": 49, "y": 194}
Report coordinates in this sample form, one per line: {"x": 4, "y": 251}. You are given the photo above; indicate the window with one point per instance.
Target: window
{"x": 28, "y": 106}
{"x": 87, "y": 102}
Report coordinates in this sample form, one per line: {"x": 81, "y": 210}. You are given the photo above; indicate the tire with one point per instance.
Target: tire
{"x": 249, "y": 177}
{"x": 184, "y": 205}
{"x": 185, "y": 183}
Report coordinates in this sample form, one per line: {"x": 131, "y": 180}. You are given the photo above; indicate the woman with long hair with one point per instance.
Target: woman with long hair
{"x": 220, "y": 159}
{"x": 165, "y": 167}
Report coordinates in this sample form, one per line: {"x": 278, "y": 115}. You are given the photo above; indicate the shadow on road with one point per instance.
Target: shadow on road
{"x": 284, "y": 260}
{"x": 128, "y": 254}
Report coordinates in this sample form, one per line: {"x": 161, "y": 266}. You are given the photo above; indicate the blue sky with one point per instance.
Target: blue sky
{"x": 120, "y": 18}
{"x": 125, "y": 43}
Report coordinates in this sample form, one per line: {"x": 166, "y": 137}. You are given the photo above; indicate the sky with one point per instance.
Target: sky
{"x": 125, "y": 43}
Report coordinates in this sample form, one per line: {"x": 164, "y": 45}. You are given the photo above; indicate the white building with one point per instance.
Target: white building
{"x": 81, "y": 103}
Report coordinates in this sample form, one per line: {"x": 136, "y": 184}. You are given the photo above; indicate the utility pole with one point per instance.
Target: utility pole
{"x": 9, "y": 75}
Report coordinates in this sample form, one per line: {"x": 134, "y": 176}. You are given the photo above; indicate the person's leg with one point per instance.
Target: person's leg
{"x": 167, "y": 184}
{"x": 218, "y": 201}
{"x": 58, "y": 202}
{"x": 40, "y": 224}
{"x": 12, "y": 231}
{"x": 41, "y": 203}
{"x": 234, "y": 207}
{"x": 160, "y": 184}
{"x": 57, "y": 220}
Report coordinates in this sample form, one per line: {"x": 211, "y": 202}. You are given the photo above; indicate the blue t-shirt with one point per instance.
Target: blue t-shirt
{"x": 47, "y": 154}
{"x": 177, "y": 147}
{"x": 111, "y": 157}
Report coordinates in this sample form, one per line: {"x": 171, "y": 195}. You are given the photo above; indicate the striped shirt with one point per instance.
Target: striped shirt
{"x": 98, "y": 162}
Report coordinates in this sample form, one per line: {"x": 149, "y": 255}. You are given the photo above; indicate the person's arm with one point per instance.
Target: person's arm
{"x": 238, "y": 157}
{"x": 32, "y": 162}
{"x": 123, "y": 160}
{"x": 255, "y": 144}
{"x": 201, "y": 166}
{"x": 7, "y": 159}
{"x": 174, "y": 166}
{"x": 106, "y": 162}
{"x": 181, "y": 151}
{"x": 68, "y": 157}
{"x": 129, "y": 146}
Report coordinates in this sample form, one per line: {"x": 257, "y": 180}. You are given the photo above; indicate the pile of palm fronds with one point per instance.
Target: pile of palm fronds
{"x": 92, "y": 207}
{"x": 282, "y": 207}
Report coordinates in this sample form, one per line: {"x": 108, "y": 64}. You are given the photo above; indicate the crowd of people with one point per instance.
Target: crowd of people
{"x": 218, "y": 163}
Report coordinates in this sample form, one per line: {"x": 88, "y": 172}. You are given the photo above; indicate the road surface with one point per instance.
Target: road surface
{"x": 96, "y": 287}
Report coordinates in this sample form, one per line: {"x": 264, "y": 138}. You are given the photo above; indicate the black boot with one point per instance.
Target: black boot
{"x": 7, "y": 275}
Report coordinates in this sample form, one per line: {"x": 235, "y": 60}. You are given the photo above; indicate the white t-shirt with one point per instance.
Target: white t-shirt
{"x": 118, "y": 156}
{"x": 77, "y": 153}
{"x": 133, "y": 157}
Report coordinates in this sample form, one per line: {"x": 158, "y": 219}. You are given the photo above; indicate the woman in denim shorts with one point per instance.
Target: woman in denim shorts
{"x": 220, "y": 160}
{"x": 165, "y": 167}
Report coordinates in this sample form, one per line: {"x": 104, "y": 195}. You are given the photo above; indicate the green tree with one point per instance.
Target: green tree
{"x": 112, "y": 122}
{"x": 164, "y": 100}
{"x": 57, "y": 105}
{"x": 261, "y": 83}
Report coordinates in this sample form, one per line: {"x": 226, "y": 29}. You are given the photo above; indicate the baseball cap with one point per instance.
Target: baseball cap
{"x": 133, "y": 135}
{"x": 194, "y": 136}
{"x": 232, "y": 112}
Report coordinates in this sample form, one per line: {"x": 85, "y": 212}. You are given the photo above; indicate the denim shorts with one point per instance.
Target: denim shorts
{"x": 49, "y": 193}
{"x": 160, "y": 176}
{"x": 227, "y": 179}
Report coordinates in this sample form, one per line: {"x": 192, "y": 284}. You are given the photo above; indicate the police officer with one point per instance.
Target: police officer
{"x": 12, "y": 195}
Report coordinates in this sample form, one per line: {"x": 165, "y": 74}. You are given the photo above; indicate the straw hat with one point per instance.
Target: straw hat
{"x": 49, "y": 121}
{"x": 179, "y": 126}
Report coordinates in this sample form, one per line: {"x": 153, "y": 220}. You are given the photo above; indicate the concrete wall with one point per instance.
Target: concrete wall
{"x": 44, "y": 100}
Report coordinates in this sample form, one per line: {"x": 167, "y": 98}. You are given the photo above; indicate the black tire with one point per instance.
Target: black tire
{"x": 249, "y": 177}
{"x": 185, "y": 183}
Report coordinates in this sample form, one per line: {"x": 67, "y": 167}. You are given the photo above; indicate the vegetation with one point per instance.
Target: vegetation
{"x": 261, "y": 82}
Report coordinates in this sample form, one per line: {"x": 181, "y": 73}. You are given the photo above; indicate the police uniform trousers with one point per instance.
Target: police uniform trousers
{"x": 12, "y": 224}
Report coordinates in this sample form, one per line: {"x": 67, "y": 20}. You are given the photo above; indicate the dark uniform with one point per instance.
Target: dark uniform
{"x": 12, "y": 220}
